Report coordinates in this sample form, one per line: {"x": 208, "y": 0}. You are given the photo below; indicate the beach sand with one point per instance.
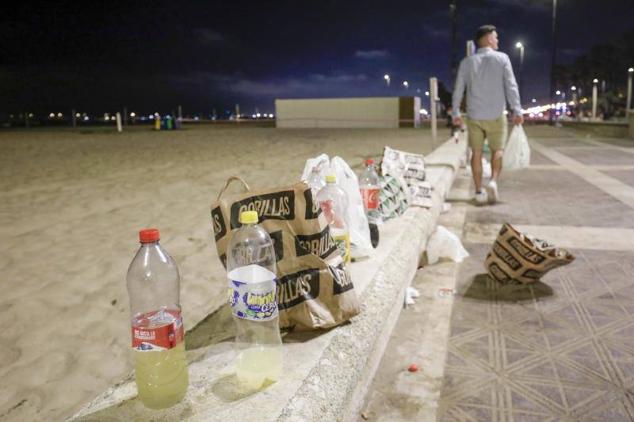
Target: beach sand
{"x": 71, "y": 205}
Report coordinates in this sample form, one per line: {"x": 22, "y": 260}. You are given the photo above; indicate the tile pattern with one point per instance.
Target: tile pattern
{"x": 553, "y": 197}
{"x": 559, "y": 350}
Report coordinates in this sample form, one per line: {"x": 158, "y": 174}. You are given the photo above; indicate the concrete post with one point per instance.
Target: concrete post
{"x": 628, "y": 104}
{"x": 594, "y": 98}
{"x": 433, "y": 98}
{"x": 125, "y": 116}
{"x": 73, "y": 118}
{"x": 119, "y": 128}
{"x": 237, "y": 112}
{"x": 180, "y": 112}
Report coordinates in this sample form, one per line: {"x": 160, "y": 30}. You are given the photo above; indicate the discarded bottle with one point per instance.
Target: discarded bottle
{"x": 334, "y": 203}
{"x": 253, "y": 299}
{"x": 158, "y": 341}
{"x": 315, "y": 181}
{"x": 370, "y": 189}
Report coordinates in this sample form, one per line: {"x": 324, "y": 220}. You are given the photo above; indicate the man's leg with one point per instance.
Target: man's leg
{"x": 476, "y": 168}
{"x": 496, "y": 134}
{"x": 476, "y": 142}
{"x": 496, "y": 163}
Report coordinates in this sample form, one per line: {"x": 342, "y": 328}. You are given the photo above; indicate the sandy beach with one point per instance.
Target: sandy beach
{"x": 72, "y": 202}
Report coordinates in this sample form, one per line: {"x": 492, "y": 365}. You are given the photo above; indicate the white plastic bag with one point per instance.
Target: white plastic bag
{"x": 444, "y": 244}
{"x": 517, "y": 154}
{"x": 361, "y": 245}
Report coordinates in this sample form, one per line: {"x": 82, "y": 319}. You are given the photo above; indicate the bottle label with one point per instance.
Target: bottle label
{"x": 252, "y": 293}
{"x": 370, "y": 197}
{"x": 157, "y": 331}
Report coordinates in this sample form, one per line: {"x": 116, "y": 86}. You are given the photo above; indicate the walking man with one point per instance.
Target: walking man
{"x": 488, "y": 77}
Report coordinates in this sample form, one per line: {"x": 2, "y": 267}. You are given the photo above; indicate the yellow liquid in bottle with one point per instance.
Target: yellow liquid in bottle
{"x": 161, "y": 377}
{"x": 258, "y": 366}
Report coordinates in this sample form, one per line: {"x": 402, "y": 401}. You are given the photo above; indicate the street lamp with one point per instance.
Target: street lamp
{"x": 406, "y": 84}
{"x": 520, "y": 46}
{"x": 628, "y": 105}
{"x": 387, "y": 79}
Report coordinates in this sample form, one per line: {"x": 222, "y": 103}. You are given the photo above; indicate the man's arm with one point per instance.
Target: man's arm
{"x": 512, "y": 93}
{"x": 458, "y": 91}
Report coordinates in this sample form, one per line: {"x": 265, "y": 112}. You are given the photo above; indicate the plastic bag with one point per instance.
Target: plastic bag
{"x": 347, "y": 180}
{"x": 444, "y": 244}
{"x": 517, "y": 154}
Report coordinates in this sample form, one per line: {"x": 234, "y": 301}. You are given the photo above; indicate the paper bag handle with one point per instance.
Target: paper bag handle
{"x": 229, "y": 181}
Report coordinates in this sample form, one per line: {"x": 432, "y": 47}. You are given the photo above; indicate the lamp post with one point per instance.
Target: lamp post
{"x": 554, "y": 57}
{"x": 387, "y": 79}
{"x": 573, "y": 89}
{"x": 594, "y": 98}
{"x": 628, "y": 105}
{"x": 520, "y": 46}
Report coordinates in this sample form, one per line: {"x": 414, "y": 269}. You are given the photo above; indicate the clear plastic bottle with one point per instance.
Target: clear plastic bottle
{"x": 315, "y": 181}
{"x": 253, "y": 298}
{"x": 334, "y": 203}
{"x": 158, "y": 341}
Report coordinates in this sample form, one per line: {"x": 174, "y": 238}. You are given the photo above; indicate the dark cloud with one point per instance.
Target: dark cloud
{"x": 372, "y": 54}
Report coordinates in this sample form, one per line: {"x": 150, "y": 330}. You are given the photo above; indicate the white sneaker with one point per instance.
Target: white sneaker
{"x": 481, "y": 198}
{"x": 492, "y": 191}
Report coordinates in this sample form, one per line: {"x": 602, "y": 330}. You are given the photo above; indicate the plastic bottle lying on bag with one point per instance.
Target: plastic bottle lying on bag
{"x": 253, "y": 297}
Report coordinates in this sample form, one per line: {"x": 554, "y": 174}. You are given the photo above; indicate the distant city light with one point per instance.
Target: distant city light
{"x": 506, "y": 112}
{"x": 426, "y": 93}
{"x": 86, "y": 118}
{"x": 386, "y": 77}
{"x": 631, "y": 70}
{"x": 558, "y": 92}
{"x": 533, "y": 100}
{"x": 133, "y": 114}
{"x": 77, "y": 115}
{"x": 573, "y": 88}
{"x": 518, "y": 45}
{"x": 253, "y": 116}
{"x": 59, "y": 115}
{"x": 30, "y": 114}
{"x": 406, "y": 84}
{"x": 423, "y": 112}
{"x": 257, "y": 114}
{"x": 271, "y": 115}
{"x": 106, "y": 118}
{"x": 151, "y": 117}
{"x": 51, "y": 115}
{"x": 595, "y": 81}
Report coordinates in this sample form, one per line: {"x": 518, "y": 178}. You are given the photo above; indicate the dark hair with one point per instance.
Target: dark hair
{"x": 483, "y": 30}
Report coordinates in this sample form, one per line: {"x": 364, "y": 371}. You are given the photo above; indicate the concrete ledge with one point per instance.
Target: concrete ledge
{"x": 326, "y": 373}
{"x": 607, "y": 129}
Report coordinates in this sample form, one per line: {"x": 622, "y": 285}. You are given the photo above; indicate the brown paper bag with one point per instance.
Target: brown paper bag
{"x": 516, "y": 256}
{"x": 314, "y": 289}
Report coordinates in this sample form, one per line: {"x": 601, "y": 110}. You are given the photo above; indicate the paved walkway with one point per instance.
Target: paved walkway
{"x": 562, "y": 349}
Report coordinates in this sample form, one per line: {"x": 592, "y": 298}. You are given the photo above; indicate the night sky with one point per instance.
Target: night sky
{"x": 98, "y": 57}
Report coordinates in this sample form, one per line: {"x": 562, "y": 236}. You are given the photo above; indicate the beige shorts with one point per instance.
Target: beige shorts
{"x": 494, "y": 131}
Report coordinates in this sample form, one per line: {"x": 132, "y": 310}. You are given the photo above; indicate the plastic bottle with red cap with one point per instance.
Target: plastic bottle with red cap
{"x": 158, "y": 341}
{"x": 370, "y": 188}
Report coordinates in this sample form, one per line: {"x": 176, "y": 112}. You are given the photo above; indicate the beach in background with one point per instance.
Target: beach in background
{"x": 71, "y": 205}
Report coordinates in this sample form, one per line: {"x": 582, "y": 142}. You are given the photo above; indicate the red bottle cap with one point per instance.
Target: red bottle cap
{"x": 149, "y": 235}
{"x": 369, "y": 162}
